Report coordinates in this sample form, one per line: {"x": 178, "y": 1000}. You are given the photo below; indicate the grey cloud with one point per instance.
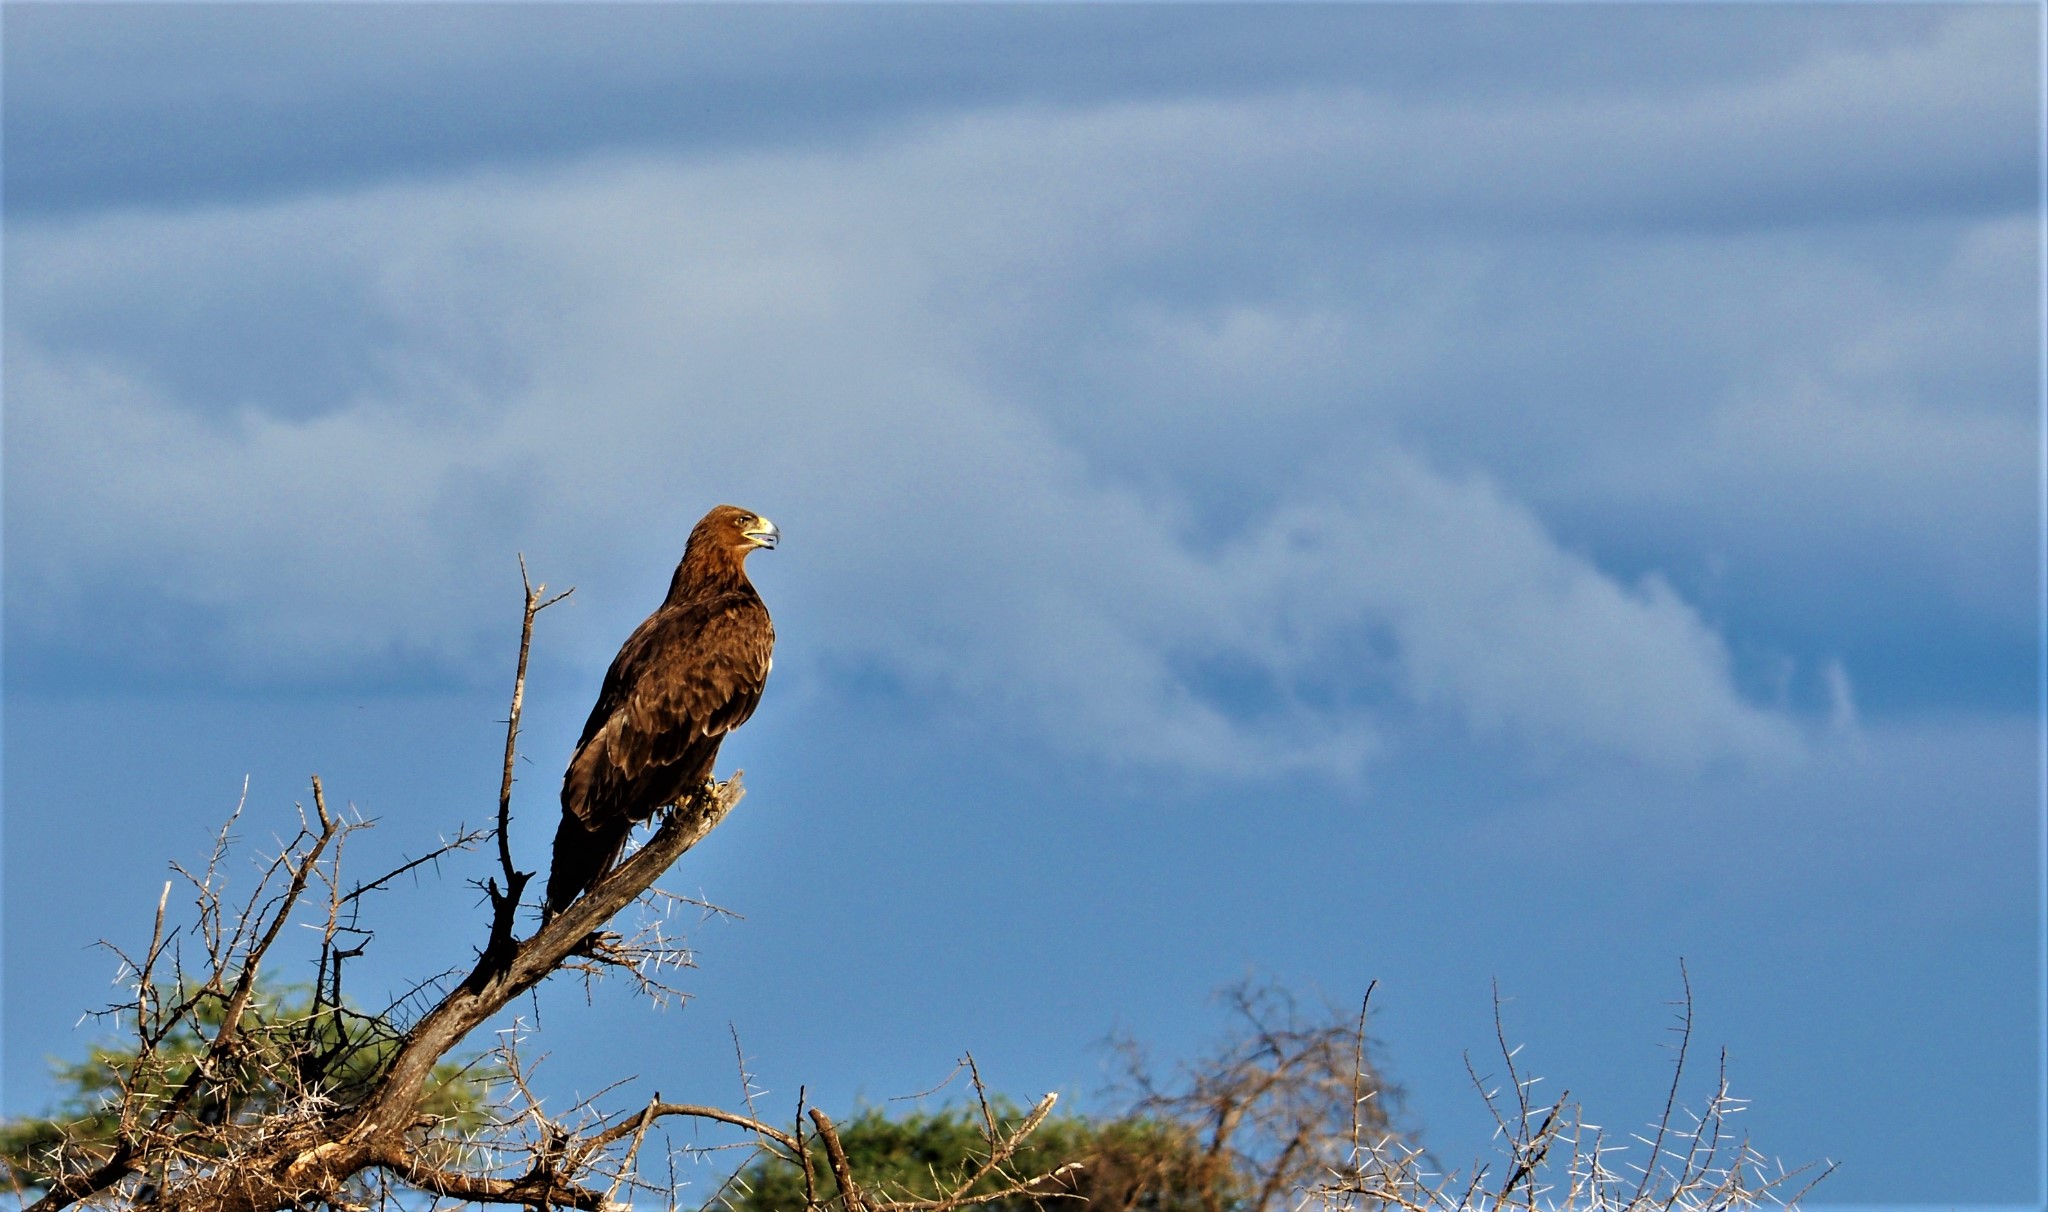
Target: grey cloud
{"x": 119, "y": 105}
{"x": 1493, "y": 619}
{"x": 1944, "y": 124}
{"x": 769, "y": 333}
{"x": 321, "y": 423}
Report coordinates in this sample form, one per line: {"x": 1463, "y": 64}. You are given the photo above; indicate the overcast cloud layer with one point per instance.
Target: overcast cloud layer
{"x": 195, "y": 104}
{"x": 1246, "y": 508}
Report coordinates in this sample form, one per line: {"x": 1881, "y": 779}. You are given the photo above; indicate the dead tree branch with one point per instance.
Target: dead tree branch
{"x": 1556, "y": 1160}
{"x": 228, "y": 1106}
{"x": 505, "y": 901}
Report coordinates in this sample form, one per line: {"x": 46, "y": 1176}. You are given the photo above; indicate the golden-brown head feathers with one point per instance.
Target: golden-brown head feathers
{"x": 717, "y": 551}
{"x": 733, "y": 529}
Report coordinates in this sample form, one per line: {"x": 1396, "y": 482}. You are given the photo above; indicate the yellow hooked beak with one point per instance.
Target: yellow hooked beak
{"x": 762, "y": 532}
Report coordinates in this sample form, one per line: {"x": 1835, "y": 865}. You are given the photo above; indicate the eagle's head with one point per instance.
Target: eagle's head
{"x": 730, "y": 528}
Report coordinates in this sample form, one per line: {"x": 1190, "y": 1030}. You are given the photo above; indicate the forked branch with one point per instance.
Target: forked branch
{"x": 505, "y": 901}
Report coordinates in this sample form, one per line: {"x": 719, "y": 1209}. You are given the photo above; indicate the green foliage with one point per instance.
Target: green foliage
{"x": 289, "y": 1057}
{"x": 1130, "y": 1164}
{"x": 1288, "y": 1097}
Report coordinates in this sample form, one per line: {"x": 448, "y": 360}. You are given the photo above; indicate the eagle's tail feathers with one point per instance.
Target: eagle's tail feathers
{"x": 582, "y": 857}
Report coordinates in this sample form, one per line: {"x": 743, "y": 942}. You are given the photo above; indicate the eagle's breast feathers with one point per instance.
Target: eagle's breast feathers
{"x": 685, "y": 678}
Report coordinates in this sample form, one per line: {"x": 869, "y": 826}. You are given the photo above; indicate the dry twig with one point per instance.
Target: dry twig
{"x": 331, "y": 1108}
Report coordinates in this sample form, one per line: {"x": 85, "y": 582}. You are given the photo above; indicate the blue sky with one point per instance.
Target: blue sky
{"x": 1434, "y": 494}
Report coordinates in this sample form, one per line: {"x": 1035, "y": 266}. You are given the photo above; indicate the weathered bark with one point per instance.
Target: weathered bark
{"x": 490, "y": 987}
{"x": 316, "y": 1162}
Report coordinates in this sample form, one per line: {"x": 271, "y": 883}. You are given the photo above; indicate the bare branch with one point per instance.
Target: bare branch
{"x": 465, "y": 839}
{"x": 505, "y": 901}
{"x": 835, "y": 1155}
{"x": 1677, "y": 1073}
{"x": 491, "y": 986}
{"x": 539, "y": 1189}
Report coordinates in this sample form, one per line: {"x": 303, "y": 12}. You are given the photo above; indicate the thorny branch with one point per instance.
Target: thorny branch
{"x": 1282, "y": 1103}
{"x": 1002, "y": 1149}
{"x": 331, "y": 1108}
{"x": 505, "y": 901}
{"x": 1556, "y": 1160}
{"x": 1684, "y": 1030}
{"x": 155, "y": 1098}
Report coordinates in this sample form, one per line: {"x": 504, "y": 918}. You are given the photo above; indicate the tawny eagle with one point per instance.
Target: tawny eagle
{"x": 687, "y": 676}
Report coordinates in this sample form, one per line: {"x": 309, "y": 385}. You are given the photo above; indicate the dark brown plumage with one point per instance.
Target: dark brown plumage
{"x": 687, "y": 676}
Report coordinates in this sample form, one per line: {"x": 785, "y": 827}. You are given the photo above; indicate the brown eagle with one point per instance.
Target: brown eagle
{"x": 687, "y": 676}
